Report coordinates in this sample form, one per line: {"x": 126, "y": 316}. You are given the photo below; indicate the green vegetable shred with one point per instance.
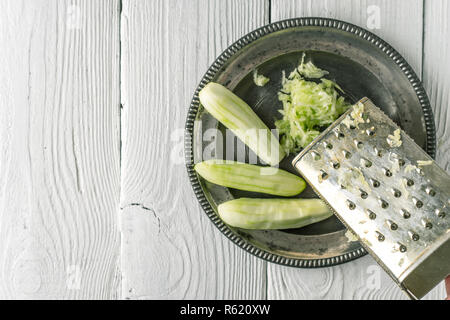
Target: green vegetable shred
{"x": 308, "y": 106}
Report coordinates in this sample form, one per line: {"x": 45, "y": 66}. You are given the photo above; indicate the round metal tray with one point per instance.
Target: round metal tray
{"x": 361, "y": 63}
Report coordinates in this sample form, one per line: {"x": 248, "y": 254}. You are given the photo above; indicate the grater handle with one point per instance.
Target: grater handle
{"x": 447, "y": 286}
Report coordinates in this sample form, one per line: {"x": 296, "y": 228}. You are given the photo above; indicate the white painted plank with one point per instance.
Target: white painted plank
{"x": 170, "y": 248}
{"x": 397, "y": 22}
{"x": 60, "y": 149}
{"x": 436, "y": 76}
{"x": 361, "y": 280}
{"x": 436, "y": 65}
{"x": 400, "y": 24}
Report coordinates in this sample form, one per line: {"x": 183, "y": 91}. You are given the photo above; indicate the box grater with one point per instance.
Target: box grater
{"x": 387, "y": 191}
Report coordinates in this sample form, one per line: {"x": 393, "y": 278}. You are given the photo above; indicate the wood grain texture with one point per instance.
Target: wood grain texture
{"x": 436, "y": 73}
{"x": 436, "y": 66}
{"x": 60, "y": 149}
{"x": 400, "y": 21}
{"x": 170, "y": 249}
{"x": 356, "y": 280}
{"x": 65, "y": 180}
{"x": 400, "y": 24}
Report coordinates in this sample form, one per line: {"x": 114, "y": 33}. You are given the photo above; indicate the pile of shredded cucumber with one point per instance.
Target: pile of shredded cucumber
{"x": 308, "y": 106}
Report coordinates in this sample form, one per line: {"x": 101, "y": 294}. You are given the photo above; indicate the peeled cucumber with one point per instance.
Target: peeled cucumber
{"x": 237, "y": 116}
{"x": 250, "y": 177}
{"x": 250, "y": 213}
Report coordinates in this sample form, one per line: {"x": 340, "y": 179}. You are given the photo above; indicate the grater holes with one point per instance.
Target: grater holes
{"x": 335, "y": 164}
{"x": 440, "y": 213}
{"x": 322, "y": 176}
{"x": 427, "y": 224}
{"x": 372, "y": 215}
{"x": 375, "y": 183}
{"x": 371, "y": 131}
{"x": 383, "y": 203}
{"x": 405, "y": 213}
{"x": 364, "y": 194}
{"x": 366, "y": 163}
{"x": 414, "y": 236}
{"x": 339, "y": 134}
{"x": 380, "y": 236}
{"x": 396, "y": 193}
{"x": 351, "y": 205}
{"x": 417, "y": 203}
{"x": 402, "y": 247}
{"x": 392, "y": 225}
{"x": 409, "y": 182}
{"x": 346, "y": 154}
{"x": 430, "y": 191}
{"x": 378, "y": 152}
{"x": 387, "y": 172}
{"x": 358, "y": 144}
{"x": 401, "y": 162}
{"x": 328, "y": 145}
{"x": 316, "y": 156}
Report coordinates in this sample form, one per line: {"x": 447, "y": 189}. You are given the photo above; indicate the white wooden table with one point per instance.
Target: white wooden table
{"x": 93, "y": 99}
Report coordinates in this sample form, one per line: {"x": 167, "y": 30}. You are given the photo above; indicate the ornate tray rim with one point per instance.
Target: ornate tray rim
{"x": 221, "y": 61}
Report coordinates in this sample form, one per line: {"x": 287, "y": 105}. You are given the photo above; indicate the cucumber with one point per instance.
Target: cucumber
{"x": 249, "y": 177}
{"x": 237, "y": 116}
{"x": 250, "y": 213}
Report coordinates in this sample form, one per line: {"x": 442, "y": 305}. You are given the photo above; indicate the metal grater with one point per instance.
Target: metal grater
{"x": 393, "y": 197}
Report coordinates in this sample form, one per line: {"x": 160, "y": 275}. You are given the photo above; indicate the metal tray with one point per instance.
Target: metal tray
{"x": 361, "y": 63}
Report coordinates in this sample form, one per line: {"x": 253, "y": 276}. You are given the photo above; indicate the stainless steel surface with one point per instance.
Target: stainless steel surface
{"x": 396, "y": 199}
{"x": 360, "y": 62}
